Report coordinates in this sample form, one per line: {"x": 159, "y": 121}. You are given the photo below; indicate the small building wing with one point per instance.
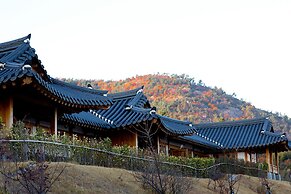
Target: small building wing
{"x": 239, "y": 135}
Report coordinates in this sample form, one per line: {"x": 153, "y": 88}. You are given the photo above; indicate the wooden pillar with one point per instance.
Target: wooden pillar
{"x": 9, "y": 115}
{"x": 277, "y": 161}
{"x": 269, "y": 159}
{"x": 136, "y": 141}
{"x": 187, "y": 152}
{"x": 167, "y": 146}
{"x": 54, "y": 126}
{"x": 70, "y": 131}
{"x": 6, "y": 111}
{"x": 158, "y": 145}
{"x": 167, "y": 150}
{"x": 246, "y": 156}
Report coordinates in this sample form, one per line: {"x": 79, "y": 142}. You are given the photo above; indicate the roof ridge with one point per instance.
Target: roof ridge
{"x": 125, "y": 94}
{"x": 274, "y": 134}
{"x": 238, "y": 122}
{"x": 136, "y": 99}
{"x": 82, "y": 89}
{"x": 174, "y": 120}
{"x": 138, "y": 109}
{"x": 15, "y": 42}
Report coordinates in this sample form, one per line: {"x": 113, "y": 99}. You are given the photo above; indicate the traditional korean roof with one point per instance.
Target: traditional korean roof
{"x": 130, "y": 108}
{"x": 236, "y": 135}
{"x": 201, "y": 141}
{"x": 86, "y": 119}
{"x": 176, "y": 127}
{"x": 16, "y": 51}
{"x": 19, "y": 52}
{"x": 19, "y": 65}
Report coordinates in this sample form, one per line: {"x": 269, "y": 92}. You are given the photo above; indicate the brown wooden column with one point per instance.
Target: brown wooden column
{"x": 246, "y": 156}
{"x": 277, "y": 161}
{"x": 167, "y": 150}
{"x": 70, "y": 131}
{"x": 6, "y": 111}
{"x": 158, "y": 144}
{"x": 187, "y": 152}
{"x": 269, "y": 160}
{"x": 136, "y": 141}
{"x": 167, "y": 146}
{"x": 54, "y": 122}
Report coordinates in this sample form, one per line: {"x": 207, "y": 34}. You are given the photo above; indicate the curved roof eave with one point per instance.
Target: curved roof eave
{"x": 71, "y": 95}
{"x": 176, "y": 127}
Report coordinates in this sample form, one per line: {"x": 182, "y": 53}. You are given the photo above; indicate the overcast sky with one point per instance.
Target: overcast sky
{"x": 242, "y": 46}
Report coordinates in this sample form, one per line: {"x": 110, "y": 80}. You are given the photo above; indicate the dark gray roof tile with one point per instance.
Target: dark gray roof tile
{"x": 137, "y": 112}
{"x": 14, "y": 54}
{"x": 241, "y": 134}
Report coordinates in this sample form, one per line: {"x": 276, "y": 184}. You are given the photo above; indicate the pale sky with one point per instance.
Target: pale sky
{"x": 242, "y": 46}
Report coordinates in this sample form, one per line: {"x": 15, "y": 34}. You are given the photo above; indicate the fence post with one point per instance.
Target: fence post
{"x": 24, "y": 152}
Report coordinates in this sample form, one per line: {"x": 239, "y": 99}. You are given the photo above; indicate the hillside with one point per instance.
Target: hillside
{"x": 185, "y": 98}
{"x": 94, "y": 179}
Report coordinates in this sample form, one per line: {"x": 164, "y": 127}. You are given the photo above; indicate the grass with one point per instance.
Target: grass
{"x": 95, "y": 179}
{"x": 92, "y": 179}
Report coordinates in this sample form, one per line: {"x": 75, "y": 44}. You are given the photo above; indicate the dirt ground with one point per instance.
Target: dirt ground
{"x": 92, "y": 179}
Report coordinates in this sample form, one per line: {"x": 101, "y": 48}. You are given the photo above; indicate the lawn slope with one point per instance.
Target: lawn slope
{"x": 92, "y": 179}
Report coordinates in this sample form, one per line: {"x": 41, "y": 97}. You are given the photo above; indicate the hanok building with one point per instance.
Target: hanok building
{"x": 244, "y": 140}
{"x": 132, "y": 121}
{"x": 29, "y": 94}
{"x": 125, "y": 121}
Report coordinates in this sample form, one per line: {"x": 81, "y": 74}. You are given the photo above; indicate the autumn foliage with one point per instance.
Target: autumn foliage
{"x": 185, "y": 98}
